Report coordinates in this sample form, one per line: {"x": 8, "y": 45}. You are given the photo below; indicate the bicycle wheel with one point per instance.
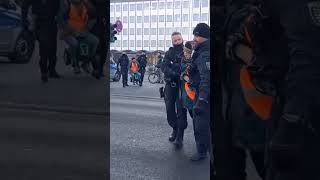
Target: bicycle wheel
{"x": 153, "y": 78}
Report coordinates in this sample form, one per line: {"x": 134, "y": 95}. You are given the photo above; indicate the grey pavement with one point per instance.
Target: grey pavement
{"x": 140, "y": 149}
{"x": 53, "y": 131}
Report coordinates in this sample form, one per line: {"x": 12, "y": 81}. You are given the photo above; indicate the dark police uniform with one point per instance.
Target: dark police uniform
{"x": 176, "y": 113}
{"x": 201, "y": 110}
{"x": 44, "y": 12}
{"x": 142, "y": 60}
{"x": 100, "y": 30}
{"x": 124, "y": 65}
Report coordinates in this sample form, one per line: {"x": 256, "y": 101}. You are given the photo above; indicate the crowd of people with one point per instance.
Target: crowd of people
{"x": 73, "y": 19}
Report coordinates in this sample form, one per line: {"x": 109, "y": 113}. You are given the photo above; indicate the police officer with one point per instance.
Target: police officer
{"x": 142, "y": 60}
{"x": 44, "y": 14}
{"x": 201, "y": 109}
{"x": 159, "y": 64}
{"x": 124, "y": 65}
{"x": 100, "y": 30}
{"x": 176, "y": 114}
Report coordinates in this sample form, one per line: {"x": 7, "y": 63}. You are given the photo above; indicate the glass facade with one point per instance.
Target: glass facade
{"x": 148, "y": 24}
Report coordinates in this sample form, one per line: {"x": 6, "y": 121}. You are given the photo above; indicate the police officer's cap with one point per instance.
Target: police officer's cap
{"x": 202, "y": 30}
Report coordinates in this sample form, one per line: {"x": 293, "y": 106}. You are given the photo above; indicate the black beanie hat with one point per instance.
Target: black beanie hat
{"x": 188, "y": 45}
{"x": 202, "y": 30}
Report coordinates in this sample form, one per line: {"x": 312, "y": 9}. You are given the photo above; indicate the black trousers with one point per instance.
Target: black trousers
{"x": 142, "y": 71}
{"x": 47, "y": 36}
{"x": 201, "y": 122}
{"x": 124, "y": 74}
{"x": 176, "y": 113}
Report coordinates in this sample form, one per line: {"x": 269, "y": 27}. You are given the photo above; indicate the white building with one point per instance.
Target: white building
{"x": 148, "y": 24}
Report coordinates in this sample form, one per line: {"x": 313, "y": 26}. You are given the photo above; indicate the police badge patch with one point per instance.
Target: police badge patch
{"x": 314, "y": 12}
{"x": 208, "y": 65}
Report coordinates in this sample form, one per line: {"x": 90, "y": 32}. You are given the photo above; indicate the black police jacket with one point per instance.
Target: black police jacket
{"x": 171, "y": 64}
{"x": 142, "y": 60}
{"x": 44, "y": 10}
{"x": 201, "y": 75}
{"x": 123, "y": 62}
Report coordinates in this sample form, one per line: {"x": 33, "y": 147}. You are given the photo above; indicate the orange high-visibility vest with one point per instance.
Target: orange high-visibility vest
{"x": 260, "y": 103}
{"x": 78, "y": 20}
{"x": 134, "y": 67}
{"x": 191, "y": 93}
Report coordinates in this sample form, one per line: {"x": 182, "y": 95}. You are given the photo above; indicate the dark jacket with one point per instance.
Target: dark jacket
{"x": 45, "y": 11}
{"x": 159, "y": 62}
{"x": 142, "y": 60}
{"x": 171, "y": 64}
{"x": 123, "y": 62}
{"x": 201, "y": 75}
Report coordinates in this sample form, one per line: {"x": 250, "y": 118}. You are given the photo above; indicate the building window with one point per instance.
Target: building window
{"x": 146, "y": 19}
{"x": 177, "y": 4}
{"x": 146, "y": 6}
{"x": 161, "y": 43}
{"x": 112, "y": 19}
{"x": 177, "y": 29}
{"x": 118, "y": 43}
{"x": 161, "y": 5}
{"x": 196, "y": 17}
{"x": 185, "y": 30}
{"x": 169, "y": 5}
{"x": 118, "y": 18}
{"x": 153, "y": 43}
{"x": 204, "y": 17}
{"x": 125, "y": 19}
{"x": 125, "y": 32}
{"x": 168, "y": 43}
{"x": 132, "y": 7}
{"x": 153, "y": 31}
{"x": 169, "y": 31}
{"x": 154, "y": 6}
{"x": 118, "y": 8}
{"x": 139, "y": 19}
{"x": 125, "y": 43}
{"x": 185, "y": 4}
{"x": 185, "y": 18}
{"x": 131, "y": 43}
{"x": 132, "y": 19}
{"x": 139, "y": 43}
{"x": 196, "y": 3}
{"x": 177, "y": 18}
{"x": 139, "y": 31}
{"x": 161, "y": 31}
{"x": 125, "y": 7}
{"x": 161, "y": 18}
{"x": 153, "y": 18}
{"x": 131, "y": 31}
{"x": 205, "y": 3}
{"x": 139, "y": 7}
{"x": 146, "y": 31}
{"x": 169, "y": 18}
{"x": 146, "y": 43}
{"x": 111, "y": 8}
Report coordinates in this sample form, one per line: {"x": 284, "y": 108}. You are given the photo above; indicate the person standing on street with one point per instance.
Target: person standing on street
{"x": 44, "y": 16}
{"x": 142, "y": 60}
{"x": 201, "y": 78}
{"x": 159, "y": 64}
{"x": 176, "y": 114}
{"x": 124, "y": 66}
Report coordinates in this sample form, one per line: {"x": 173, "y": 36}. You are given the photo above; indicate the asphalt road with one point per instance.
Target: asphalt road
{"x": 140, "y": 149}
{"x": 53, "y": 131}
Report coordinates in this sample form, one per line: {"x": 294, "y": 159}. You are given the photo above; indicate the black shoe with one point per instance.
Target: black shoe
{"x": 54, "y": 75}
{"x": 96, "y": 74}
{"x": 173, "y": 136}
{"x": 198, "y": 157}
{"x": 44, "y": 78}
{"x": 127, "y": 84}
{"x": 179, "y": 140}
{"x": 124, "y": 85}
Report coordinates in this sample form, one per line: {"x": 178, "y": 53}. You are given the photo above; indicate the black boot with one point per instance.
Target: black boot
{"x": 179, "y": 140}
{"x": 173, "y": 135}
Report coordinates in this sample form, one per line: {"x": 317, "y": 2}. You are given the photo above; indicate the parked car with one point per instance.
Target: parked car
{"x": 16, "y": 43}
{"x": 114, "y": 72}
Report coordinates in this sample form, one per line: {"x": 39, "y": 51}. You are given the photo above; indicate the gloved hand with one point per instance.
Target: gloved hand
{"x": 200, "y": 107}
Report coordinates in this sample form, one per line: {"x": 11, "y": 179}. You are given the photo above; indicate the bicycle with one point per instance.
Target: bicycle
{"x": 155, "y": 76}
